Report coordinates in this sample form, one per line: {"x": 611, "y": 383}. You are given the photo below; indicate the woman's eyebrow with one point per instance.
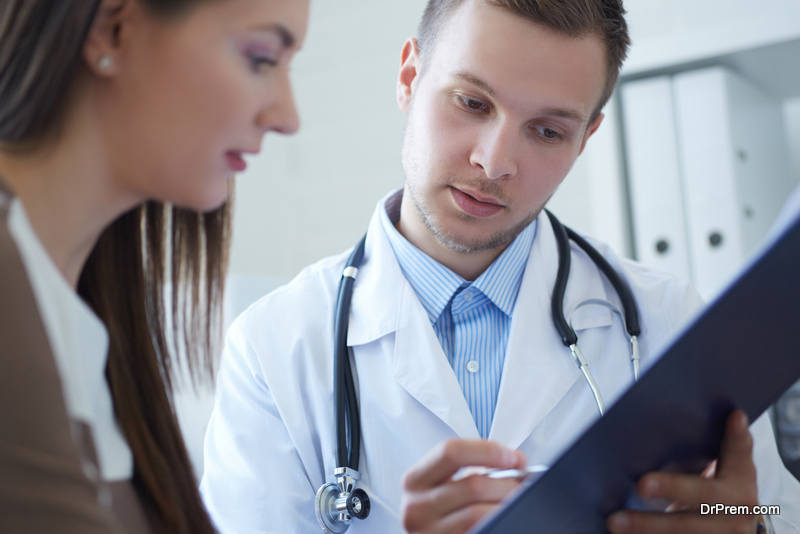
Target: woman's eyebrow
{"x": 287, "y": 38}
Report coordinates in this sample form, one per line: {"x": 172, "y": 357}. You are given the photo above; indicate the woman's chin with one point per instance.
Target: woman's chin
{"x": 208, "y": 200}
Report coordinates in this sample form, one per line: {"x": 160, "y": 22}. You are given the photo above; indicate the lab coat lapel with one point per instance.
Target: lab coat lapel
{"x": 376, "y": 300}
{"x": 538, "y": 369}
{"x": 422, "y": 368}
{"x": 385, "y": 303}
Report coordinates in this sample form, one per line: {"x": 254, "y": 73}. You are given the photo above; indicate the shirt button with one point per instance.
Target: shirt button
{"x": 468, "y": 297}
{"x": 473, "y": 366}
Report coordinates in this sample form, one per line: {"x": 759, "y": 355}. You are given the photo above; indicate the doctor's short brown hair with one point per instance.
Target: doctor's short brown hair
{"x": 575, "y": 18}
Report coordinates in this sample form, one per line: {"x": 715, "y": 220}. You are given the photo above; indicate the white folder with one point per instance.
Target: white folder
{"x": 654, "y": 175}
{"x": 735, "y": 169}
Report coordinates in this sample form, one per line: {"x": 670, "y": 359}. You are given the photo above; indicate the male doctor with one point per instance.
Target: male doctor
{"x": 452, "y": 336}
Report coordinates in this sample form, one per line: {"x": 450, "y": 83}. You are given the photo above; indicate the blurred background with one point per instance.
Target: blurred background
{"x": 698, "y": 151}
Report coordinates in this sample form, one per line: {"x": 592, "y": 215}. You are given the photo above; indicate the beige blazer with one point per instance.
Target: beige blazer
{"x": 47, "y": 461}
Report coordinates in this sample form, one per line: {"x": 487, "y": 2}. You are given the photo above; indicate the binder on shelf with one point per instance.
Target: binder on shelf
{"x": 654, "y": 175}
{"x": 735, "y": 169}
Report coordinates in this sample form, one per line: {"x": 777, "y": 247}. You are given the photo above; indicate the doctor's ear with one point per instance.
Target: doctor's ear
{"x": 101, "y": 48}
{"x": 590, "y": 130}
{"x": 409, "y": 74}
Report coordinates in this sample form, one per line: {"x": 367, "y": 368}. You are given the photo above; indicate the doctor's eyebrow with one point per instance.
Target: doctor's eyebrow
{"x": 287, "y": 38}
{"x": 568, "y": 114}
{"x": 474, "y": 80}
{"x": 565, "y": 114}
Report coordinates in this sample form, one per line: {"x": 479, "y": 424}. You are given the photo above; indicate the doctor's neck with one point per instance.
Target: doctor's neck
{"x": 65, "y": 185}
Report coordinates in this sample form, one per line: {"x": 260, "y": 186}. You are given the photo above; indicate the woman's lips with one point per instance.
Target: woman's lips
{"x": 235, "y": 161}
{"x": 473, "y": 206}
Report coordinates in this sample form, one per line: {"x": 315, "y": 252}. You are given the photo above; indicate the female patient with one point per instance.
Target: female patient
{"x": 121, "y": 123}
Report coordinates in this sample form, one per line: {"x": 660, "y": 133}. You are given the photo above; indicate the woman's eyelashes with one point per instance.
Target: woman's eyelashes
{"x": 258, "y": 63}
{"x": 261, "y": 56}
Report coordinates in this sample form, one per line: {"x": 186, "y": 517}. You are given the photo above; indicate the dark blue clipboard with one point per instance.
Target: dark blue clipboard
{"x": 741, "y": 352}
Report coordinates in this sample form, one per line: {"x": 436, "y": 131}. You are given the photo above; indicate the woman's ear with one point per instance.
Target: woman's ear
{"x": 101, "y": 48}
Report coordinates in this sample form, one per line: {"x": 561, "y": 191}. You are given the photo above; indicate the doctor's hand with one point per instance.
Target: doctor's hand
{"x": 733, "y": 484}
{"x": 434, "y": 503}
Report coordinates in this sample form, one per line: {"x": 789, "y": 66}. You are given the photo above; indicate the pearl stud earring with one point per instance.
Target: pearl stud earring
{"x": 105, "y": 62}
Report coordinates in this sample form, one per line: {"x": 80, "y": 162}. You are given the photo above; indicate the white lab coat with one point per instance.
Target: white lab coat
{"x": 271, "y": 440}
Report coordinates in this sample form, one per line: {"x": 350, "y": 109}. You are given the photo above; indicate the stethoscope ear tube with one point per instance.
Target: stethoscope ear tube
{"x": 568, "y": 336}
{"x": 563, "y": 235}
{"x": 625, "y": 296}
{"x": 345, "y": 402}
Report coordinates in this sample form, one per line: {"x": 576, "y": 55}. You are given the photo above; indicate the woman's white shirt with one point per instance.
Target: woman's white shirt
{"x": 79, "y": 341}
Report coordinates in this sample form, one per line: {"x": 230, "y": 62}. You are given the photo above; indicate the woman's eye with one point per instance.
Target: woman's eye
{"x": 259, "y": 62}
{"x": 475, "y": 105}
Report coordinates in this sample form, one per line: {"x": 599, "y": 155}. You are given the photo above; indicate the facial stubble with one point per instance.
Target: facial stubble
{"x": 413, "y": 167}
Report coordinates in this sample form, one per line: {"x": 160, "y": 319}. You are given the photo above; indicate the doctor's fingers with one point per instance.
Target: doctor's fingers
{"x": 458, "y": 522}
{"x": 735, "y": 482}
{"x": 442, "y": 462}
{"x": 428, "y": 507}
{"x": 629, "y": 522}
{"x": 454, "y": 506}
{"x": 736, "y": 452}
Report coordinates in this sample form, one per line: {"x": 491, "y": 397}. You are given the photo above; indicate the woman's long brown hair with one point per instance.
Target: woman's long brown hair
{"x": 125, "y": 282}
{"x": 155, "y": 276}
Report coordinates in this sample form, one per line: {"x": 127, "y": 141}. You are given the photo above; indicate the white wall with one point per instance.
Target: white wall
{"x": 666, "y": 32}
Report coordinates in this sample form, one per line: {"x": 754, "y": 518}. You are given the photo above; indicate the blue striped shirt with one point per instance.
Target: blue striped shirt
{"x": 471, "y": 319}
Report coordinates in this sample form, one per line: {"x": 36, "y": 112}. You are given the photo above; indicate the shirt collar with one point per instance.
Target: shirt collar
{"x": 435, "y": 284}
{"x": 79, "y": 341}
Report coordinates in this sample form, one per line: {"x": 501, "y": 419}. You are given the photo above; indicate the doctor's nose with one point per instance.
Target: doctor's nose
{"x": 279, "y": 114}
{"x": 495, "y": 153}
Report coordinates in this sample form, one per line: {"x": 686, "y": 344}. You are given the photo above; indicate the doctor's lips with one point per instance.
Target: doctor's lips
{"x": 235, "y": 159}
{"x": 475, "y": 204}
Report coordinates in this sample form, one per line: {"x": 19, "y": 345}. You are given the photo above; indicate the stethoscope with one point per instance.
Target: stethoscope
{"x": 337, "y": 504}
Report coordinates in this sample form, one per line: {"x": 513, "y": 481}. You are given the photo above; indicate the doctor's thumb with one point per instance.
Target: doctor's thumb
{"x": 484, "y": 453}
{"x": 509, "y": 459}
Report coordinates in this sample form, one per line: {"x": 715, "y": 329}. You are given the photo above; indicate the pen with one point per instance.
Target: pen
{"x": 493, "y": 472}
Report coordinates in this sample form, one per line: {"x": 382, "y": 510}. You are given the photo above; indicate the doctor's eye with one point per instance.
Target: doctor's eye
{"x": 472, "y": 104}
{"x": 548, "y": 134}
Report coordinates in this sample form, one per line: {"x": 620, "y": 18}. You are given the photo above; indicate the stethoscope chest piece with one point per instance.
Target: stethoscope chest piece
{"x": 337, "y": 504}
